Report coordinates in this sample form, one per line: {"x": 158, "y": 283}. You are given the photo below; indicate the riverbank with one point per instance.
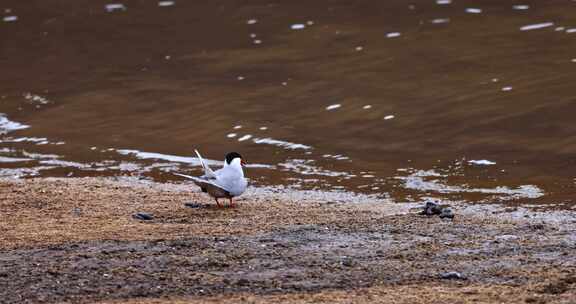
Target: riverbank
{"x": 76, "y": 240}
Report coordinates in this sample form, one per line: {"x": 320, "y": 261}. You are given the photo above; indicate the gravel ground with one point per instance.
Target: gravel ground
{"x": 76, "y": 240}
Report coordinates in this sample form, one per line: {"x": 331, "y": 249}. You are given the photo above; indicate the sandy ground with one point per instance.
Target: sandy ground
{"x": 75, "y": 240}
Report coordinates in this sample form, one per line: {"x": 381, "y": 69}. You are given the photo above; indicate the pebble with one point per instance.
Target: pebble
{"x": 432, "y": 208}
{"x": 348, "y": 262}
{"x": 143, "y": 216}
{"x": 193, "y": 205}
{"x": 452, "y": 275}
{"x": 447, "y": 213}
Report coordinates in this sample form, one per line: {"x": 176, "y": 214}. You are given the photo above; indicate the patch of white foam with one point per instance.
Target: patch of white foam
{"x": 333, "y": 107}
{"x": 443, "y": 2}
{"x": 40, "y": 155}
{"x": 419, "y": 181}
{"x": 440, "y": 20}
{"x": 280, "y": 143}
{"x": 388, "y": 117}
{"x": 336, "y": 157}
{"x": 179, "y": 159}
{"x": 305, "y": 167}
{"x": 36, "y": 98}
{"x": 165, "y": 3}
{"x": 571, "y": 30}
{"x": 393, "y": 35}
{"x": 298, "y": 26}
{"x": 536, "y": 26}
{"x": 251, "y": 21}
{"x": 231, "y": 135}
{"x": 245, "y": 137}
{"x": 506, "y": 89}
{"x": 521, "y": 7}
{"x": 472, "y": 10}
{"x": 5, "y": 159}
{"x": 481, "y": 162}
{"x": 366, "y": 107}
{"x": 10, "y": 18}
{"x": 115, "y": 7}
{"x": 62, "y": 163}
{"x": 6, "y": 125}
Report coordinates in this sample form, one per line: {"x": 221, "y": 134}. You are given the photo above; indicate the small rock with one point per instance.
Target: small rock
{"x": 348, "y": 262}
{"x": 143, "y": 216}
{"x": 452, "y": 275}
{"x": 447, "y": 213}
{"x": 193, "y": 205}
{"x": 431, "y": 208}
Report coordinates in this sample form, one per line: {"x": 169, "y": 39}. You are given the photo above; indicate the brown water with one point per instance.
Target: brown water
{"x": 423, "y": 88}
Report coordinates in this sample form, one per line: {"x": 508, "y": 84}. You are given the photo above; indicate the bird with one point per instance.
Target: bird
{"x": 227, "y": 182}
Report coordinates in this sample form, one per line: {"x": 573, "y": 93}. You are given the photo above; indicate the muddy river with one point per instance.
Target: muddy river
{"x": 461, "y": 100}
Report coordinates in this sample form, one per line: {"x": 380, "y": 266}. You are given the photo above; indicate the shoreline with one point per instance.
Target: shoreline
{"x": 74, "y": 239}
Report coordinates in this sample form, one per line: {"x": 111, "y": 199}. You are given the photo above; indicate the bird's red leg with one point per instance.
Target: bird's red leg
{"x": 218, "y": 203}
{"x": 232, "y": 203}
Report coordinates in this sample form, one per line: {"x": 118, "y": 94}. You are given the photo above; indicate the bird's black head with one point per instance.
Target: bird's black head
{"x": 231, "y": 156}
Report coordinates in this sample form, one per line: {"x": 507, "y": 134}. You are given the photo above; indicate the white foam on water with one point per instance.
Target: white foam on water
{"x": 245, "y": 137}
{"x": 571, "y": 30}
{"x": 263, "y": 128}
{"x": 306, "y": 167}
{"x": 472, "y": 10}
{"x": 506, "y": 89}
{"x": 388, "y": 117}
{"x": 333, "y": 107}
{"x": 481, "y": 162}
{"x": 6, "y": 125}
{"x": 251, "y": 21}
{"x": 115, "y": 7}
{"x": 5, "y": 159}
{"x": 257, "y": 41}
{"x": 359, "y": 48}
{"x": 520, "y": 7}
{"x": 298, "y": 26}
{"x": 231, "y": 135}
{"x": 393, "y": 35}
{"x": 366, "y": 107}
{"x": 36, "y": 98}
{"x": 443, "y": 2}
{"x": 536, "y": 26}
{"x": 165, "y": 3}
{"x": 559, "y": 28}
{"x": 440, "y": 20}
{"x": 280, "y": 143}
{"x": 10, "y": 18}
{"x": 423, "y": 182}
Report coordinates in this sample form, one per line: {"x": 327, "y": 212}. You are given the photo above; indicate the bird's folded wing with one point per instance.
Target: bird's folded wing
{"x": 207, "y": 171}
{"x": 204, "y": 183}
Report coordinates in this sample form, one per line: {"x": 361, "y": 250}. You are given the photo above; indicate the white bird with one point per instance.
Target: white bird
{"x": 227, "y": 182}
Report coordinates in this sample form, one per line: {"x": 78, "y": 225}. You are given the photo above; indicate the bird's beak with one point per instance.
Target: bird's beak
{"x": 243, "y": 163}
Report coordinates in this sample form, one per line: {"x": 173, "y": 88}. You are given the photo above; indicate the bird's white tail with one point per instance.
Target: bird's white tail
{"x": 207, "y": 171}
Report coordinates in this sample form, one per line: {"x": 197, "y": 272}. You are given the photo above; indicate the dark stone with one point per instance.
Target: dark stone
{"x": 143, "y": 216}
{"x": 452, "y": 275}
{"x": 431, "y": 208}
{"x": 447, "y": 213}
{"x": 348, "y": 262}
{"x": 193, "y": 205}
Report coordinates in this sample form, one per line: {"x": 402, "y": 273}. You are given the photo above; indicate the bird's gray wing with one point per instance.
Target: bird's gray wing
{"x": 209, "y": 185}
{"x": 207, "y": 171}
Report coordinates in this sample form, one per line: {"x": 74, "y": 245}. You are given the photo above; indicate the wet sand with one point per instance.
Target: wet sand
{"x": 75, "y": 240}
